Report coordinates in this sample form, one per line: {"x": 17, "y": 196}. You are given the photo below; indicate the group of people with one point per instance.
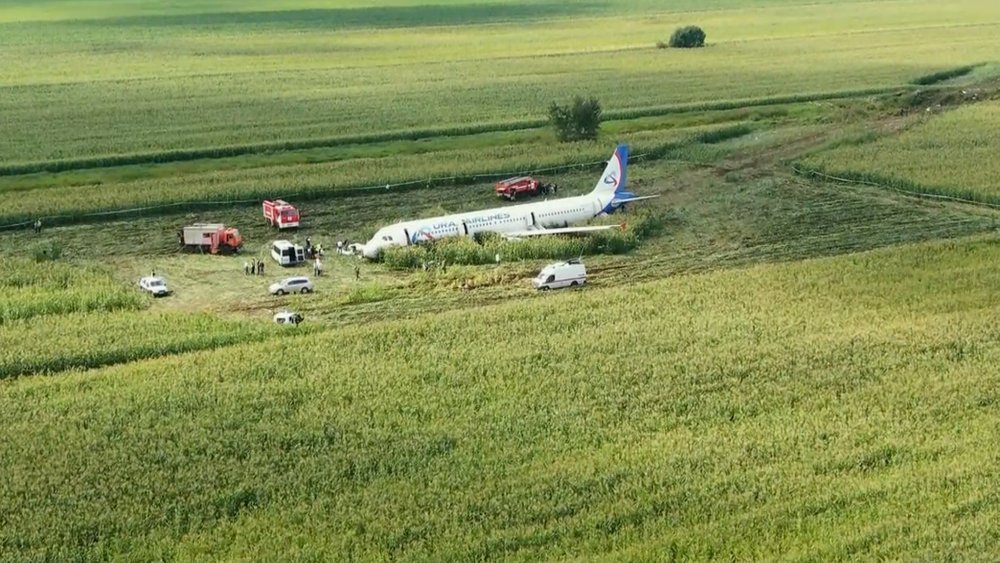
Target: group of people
{"x": 253, "y": 267}
{"x": 313, "y": 251}
{"x": 256, "y": 266}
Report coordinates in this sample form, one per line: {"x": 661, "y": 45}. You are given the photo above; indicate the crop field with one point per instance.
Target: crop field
{"x": 952, "y": 154}
{"x": 30, "y": 290}
{"x": 309, "y": 180}
{"x": 764, "y": 363}
{"x": 835, "y": 409}
{"x": 153, "y": 82}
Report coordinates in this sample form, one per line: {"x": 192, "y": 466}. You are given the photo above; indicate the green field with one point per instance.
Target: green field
{"x": 831, "y": 409}
{"x": 765, "y": 363}
{"x": 952, "y": 155}
{"x": 162, "y": 79}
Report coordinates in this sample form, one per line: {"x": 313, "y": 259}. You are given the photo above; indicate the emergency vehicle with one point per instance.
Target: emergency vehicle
{"x": 281, "y": 214}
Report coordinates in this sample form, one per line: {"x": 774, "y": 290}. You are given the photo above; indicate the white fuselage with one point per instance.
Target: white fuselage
{"x": 510, "y": 219}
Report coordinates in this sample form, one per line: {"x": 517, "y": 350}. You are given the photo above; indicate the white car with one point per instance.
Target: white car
{"x": 287, "y": 318}
{"x": 154, "y": 285}
{"x": 296, "y": 284}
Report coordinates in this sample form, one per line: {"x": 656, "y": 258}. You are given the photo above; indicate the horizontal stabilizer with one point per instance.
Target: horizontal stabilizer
{"x": 619, "y": 201}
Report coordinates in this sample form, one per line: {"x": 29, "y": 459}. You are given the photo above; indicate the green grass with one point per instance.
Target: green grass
{"x": 154, "y": 83}
{"x": 831, "y": 409}
{"x": 951, "y": 154}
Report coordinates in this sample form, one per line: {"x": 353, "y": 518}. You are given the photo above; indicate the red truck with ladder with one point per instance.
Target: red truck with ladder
{"x": 279, "y": 213}
{"x": 513, "y": 188}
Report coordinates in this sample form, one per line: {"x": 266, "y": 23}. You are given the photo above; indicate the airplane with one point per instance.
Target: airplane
{"x": 551, "y": 217}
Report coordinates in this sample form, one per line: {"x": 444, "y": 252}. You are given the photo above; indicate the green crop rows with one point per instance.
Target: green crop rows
{"x": 953, "y": 154}
{"x": 834, "y": 409}
{"x": 763, "y": 364}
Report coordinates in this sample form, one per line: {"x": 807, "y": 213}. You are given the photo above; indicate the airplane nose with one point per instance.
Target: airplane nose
{"x": 370, "y": 251}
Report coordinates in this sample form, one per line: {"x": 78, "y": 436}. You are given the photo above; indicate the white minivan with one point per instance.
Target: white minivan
{"x": 287, "y": 253}
{"x": 561, "y": 274}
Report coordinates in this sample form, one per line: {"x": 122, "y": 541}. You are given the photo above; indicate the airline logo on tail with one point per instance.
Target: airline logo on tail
{"x": 613, "y": 179}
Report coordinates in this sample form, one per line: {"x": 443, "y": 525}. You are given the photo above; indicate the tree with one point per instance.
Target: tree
{"x": 577, "y": 120}
{"x": 687, "y": 37}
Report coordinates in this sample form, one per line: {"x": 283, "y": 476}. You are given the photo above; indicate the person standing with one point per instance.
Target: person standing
{"x": 38, "y": 225}
{"x": 260, "y": 267}
{"x": 357, "y": 273}
{"x": 246, "y": 268}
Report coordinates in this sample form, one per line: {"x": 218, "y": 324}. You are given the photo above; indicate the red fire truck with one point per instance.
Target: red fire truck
{"x": 513, "y": 188}
{"x": 281, "y": 214}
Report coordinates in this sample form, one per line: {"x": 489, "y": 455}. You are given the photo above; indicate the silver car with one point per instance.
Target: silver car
{"x": 295, "y": 284}
{"x": 154, "y": 285}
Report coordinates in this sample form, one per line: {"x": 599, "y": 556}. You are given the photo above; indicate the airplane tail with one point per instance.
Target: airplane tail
{"x": 613, "y": 179}
{"x": 612, "y": 183}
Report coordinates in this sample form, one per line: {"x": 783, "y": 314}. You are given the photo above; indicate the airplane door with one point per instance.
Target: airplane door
{"x": 533, "y": 221}
{"x": 406, "y": 233}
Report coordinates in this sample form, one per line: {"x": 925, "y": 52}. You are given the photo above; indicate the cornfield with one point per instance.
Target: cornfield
{"x": 951, "y": 154}
{"x": 56, "y": 343}
{"x": 247, "y": 80}
{"x": 31, "y": 289}
{"x": 747, "y": 414}
{"x": 304, "y": 181}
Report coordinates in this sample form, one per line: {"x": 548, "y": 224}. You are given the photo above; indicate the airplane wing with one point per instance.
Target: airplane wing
{"x": 560, "y": 231}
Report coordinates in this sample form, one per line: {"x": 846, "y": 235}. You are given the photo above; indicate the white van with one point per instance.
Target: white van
{"x": 561, "y": 274}
{"x": 286, "y": 253}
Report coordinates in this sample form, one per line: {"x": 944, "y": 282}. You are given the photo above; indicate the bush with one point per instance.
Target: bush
{"x": 576, "y": 121}
{"x": 687, "y": 37}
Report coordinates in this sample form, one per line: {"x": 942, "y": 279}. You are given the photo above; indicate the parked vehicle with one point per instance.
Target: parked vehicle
{"x": 279, "y": 213}
{"x": 213, "y": 237}
{"x": 287, "y": 253}
{"x": 154, "y": 285}
{"x": 561, "y": 274}
{"x": 287, "y": 318}
{"x": 513, "y": 188}
{"x": 296, "y": 284}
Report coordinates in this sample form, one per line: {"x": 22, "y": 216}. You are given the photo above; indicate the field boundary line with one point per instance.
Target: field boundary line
{"x": 230, "y": 151}
{"x": 809, "y": 172}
